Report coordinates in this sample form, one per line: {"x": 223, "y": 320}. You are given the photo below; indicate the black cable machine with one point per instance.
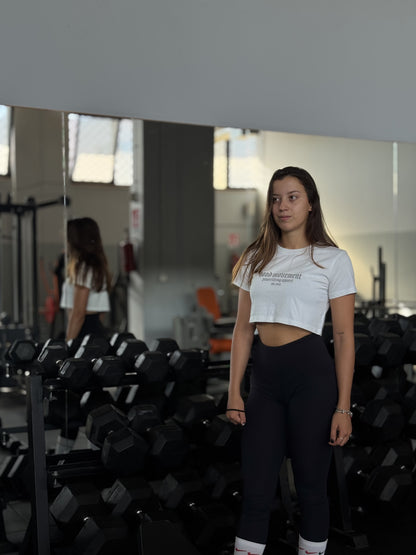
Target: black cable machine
{"x": 20, "y": 211}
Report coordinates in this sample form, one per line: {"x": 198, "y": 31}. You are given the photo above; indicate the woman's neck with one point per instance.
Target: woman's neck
{"x": 293, "y": 242}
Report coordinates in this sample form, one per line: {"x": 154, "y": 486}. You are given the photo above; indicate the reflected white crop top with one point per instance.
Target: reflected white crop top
{"x": 293, "y": 290}
{"x": 98, "y": 301}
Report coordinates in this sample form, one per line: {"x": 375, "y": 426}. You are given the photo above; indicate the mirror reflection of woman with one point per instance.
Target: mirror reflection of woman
{"x": 299, "y": 399}
{"x": 85, "y": 294}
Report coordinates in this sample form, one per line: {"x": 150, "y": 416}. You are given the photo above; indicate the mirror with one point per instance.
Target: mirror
{"x": 366, "y": 189}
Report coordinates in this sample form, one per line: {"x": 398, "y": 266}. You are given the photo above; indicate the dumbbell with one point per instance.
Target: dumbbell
{"x": 125, "y": 517}
{"x": 165, "y": 345}
{"x": 409, "y": 409}
{"x": 116, "y": 340}
{"x": 224, "y": 482}
{"x": 214, "y": 434}
{"x": 365, "y": 350}
{"x": 50, "y": 357}
{"x": 378, "y": 421}
{"x": 383, "y": 487}
{"x": 209, "y": 523}
{"x": 124, "y": 450}
{"x": 92, "y": 346}
{"x": 398, "y": 453}
{"x": 409, "y": 340}
{"x": 395, "y": 386}
{"x": 21, "y": 351}
{"x": 387, "y": 336}
{"x": 80, "y": 513}
{"x": 169, "y": 447}
{"x": 130, "y": 498}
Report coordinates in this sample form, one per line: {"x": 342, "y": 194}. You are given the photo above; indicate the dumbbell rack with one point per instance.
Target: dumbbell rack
{"x": 36, "y": 540}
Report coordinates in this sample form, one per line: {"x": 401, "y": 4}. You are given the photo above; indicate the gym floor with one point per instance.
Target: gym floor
{"x": 396, "y": 534}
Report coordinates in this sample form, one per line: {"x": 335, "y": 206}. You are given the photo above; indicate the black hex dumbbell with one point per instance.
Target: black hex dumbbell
{"x": 81, "y": 514}
{"x": 386, "y": 487}
{"x": 215, "y": 435}
{"x": 129, "y": 445}
{"x": 378, "y": 421}
{"x": 209, "y": 523}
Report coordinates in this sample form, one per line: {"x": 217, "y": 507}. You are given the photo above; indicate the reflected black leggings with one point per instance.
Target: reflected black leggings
{"x": 92, "y": 325}
{"x": 293, "y": 394}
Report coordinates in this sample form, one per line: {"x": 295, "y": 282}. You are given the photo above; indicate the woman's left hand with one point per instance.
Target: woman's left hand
{"x": 341, "y": 428}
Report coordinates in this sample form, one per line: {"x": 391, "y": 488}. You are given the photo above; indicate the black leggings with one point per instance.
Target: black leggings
{"x": 92, "y": 325}
{"x": 293, "y": 394}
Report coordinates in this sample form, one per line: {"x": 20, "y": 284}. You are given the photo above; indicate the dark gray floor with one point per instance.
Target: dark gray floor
{"x": 386, "y": 536}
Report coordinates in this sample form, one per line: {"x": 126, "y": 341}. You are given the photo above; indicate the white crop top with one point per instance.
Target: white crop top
{"x": 98, "y": 301}
{"x": 293, "y": 290}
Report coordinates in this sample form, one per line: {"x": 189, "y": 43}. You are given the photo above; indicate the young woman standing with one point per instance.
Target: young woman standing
{"x": 299, "y": 399}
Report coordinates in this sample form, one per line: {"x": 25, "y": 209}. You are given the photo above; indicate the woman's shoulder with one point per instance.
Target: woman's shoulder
{"x": 84, "y": 275}
{"x": 329, "y": 253}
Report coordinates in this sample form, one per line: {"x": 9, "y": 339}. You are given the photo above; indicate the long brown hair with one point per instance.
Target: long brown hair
{"x": 260, "y": 252}
{"x": 86, "y": 252}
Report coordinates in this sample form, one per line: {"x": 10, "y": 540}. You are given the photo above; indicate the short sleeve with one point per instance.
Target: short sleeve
{"x": 84, "y": 281}
{"x": 241, "y": 279}
{"x": 341, "y": 278}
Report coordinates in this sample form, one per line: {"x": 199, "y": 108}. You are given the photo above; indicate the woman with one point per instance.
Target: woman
{"x": 85, "y": 291}
{"x": 299, "y": 404}
{"x": 84, "y": 294}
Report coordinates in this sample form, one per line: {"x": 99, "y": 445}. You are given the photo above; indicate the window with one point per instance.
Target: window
{"x": 5, "y": 121}
{"x": 236, "y": 161}
{"x": 100, "y": 149}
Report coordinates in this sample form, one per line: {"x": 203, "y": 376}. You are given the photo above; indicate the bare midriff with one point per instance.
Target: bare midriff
{"x": 276, "y": 334}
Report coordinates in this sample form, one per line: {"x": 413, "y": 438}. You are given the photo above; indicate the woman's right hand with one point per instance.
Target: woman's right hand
{"x": 236, "y": 410}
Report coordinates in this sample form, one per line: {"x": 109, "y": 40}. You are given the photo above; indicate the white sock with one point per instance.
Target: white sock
{"x": 63, "y": 445}
{"x": 244, "y": 547}
{"x": 311, "y": 548}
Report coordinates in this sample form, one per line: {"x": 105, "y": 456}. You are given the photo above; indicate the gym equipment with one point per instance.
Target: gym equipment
{"x": 116, "y": 340}
{"x": 378, "y": 421}
{"x": 398, "y": 453}
{"x": 75, "y": 373}
{"x": 385, "y": 487}
{"x": 130, "y": 497}
{"x": 156, "y": 448}
{"x": 409, "y": 340}
{"x": 48, "y": 360}
{"x": 91, "y": 347}
{"x": 223, "y": 481}
{"x": 129, "y": 349}
{"x": 209, "y": 523}
{"x": 365, "y": 350}
{"x": 216, "y": 437}
{"x": 165, "y": 345}
{"x": 25, "y": 297}
{"x": 21, "y": 351}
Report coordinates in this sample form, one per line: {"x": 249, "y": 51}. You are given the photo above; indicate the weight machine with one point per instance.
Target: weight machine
{"x": 25, "y": 302}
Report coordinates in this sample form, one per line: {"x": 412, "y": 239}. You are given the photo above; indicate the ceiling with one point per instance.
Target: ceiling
{"x": 324, "y": 67}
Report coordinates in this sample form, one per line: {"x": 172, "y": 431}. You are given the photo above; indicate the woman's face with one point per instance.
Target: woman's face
{"x": 290, "y": 205}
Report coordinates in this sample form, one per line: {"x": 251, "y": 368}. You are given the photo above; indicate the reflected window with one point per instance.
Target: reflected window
{"x": 100, "y": 149}
{"x": 5, "y": 121}
{"x": 236, "y": 160}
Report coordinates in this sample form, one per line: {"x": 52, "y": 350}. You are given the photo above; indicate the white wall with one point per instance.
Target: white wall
{"x": 355, "y": 182}
{"x": 326, "y": 67}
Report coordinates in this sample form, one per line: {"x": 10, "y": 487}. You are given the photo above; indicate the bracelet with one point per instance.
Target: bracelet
{"x": 344, "y": 411}
{"x": 238, "y": 410}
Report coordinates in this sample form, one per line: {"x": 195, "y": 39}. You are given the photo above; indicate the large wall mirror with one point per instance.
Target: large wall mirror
{"x": 97, "y": 164}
